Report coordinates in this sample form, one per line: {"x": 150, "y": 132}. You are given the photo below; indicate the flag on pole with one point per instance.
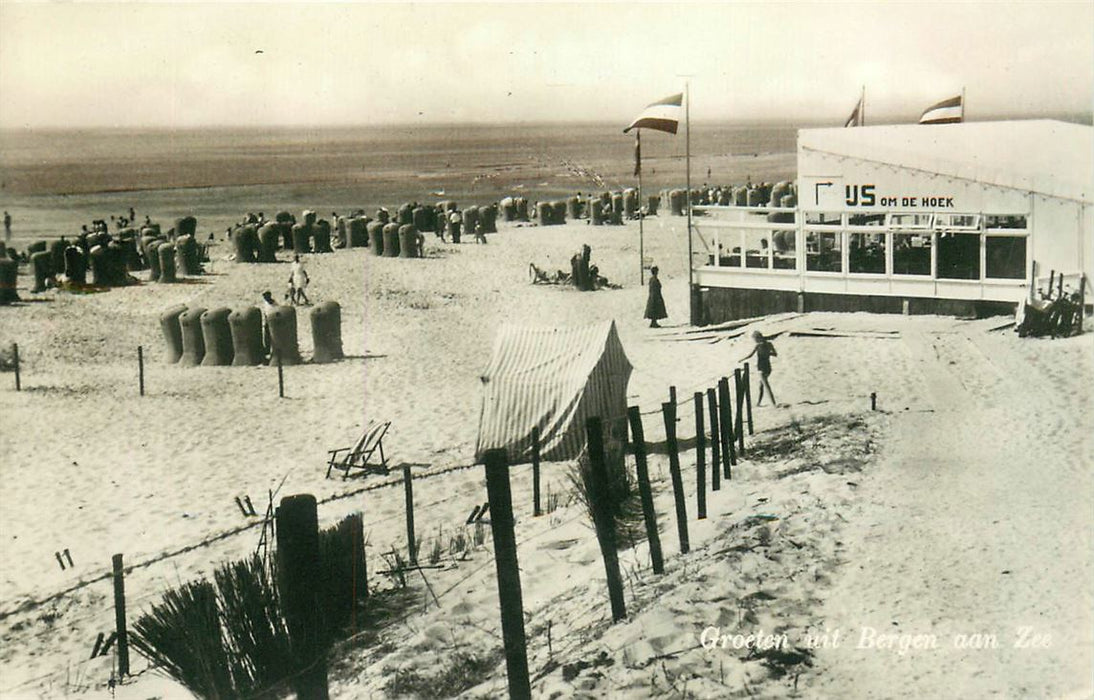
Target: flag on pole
{"x": 663, "y": 115}
{"x": 949, "y": 111}
{"x": 856, "y": 116}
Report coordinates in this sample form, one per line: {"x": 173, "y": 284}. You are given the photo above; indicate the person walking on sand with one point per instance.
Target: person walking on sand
{"x": 764, "y": 351}
{"x": 7, "y": 227}
{"x": 298, "y": 279}
{"x": 268, "y": 305}
{"x": 655, "y": 303}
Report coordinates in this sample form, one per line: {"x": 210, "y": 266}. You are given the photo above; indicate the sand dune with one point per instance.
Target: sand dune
{"x": 977, "y": 463}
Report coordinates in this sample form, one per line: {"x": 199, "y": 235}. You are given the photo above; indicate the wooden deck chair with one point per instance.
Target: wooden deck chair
{"x": 359, "y": 456}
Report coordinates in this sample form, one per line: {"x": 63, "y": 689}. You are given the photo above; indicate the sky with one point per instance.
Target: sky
{"x": 183, "y": 65}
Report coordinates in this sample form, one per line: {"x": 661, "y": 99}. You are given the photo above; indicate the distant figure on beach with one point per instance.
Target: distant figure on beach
{"x": 268, "y": 305}
{"x": 764, "y": 351}
{"x": 480, "y": 237}
{"x": 655, "y": 303}
{"x": 298, "y": 281}
{"x": 7, "y": 227}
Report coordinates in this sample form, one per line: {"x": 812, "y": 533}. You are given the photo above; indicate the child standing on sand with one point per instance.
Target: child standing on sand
{"x": 764, "y": 351}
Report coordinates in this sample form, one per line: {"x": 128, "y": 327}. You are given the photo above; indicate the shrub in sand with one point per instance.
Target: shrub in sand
{"x": 623, "y": 499}
{"x": 228, "y": 638}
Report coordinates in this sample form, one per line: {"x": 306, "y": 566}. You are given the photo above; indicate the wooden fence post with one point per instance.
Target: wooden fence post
{"x": 505, "y": 560}
{"x": 280, "y": 378}
{"x": 408, "y": 485}
{"x": 603, "y": 518}
{"x": 715, "y": 442}
{"x": 672, "y": 397}
{"x": 748, "y": 405}
{"x": 536, "y": 509}
{"x": 298, "y": 570}
{"x": 638, "y": 439}
{"x": 15, "y": 358}
{"x": 119, "y": 616}
{"x": 729, "y": 457}
{"x": 739, "y": 426}
{"x": 700, "y": 457}
{"x": 140, "y": 367}
{"x": 669, "y": 414}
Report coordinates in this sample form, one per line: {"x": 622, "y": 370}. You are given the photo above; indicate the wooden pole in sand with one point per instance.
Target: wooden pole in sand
{"x": 669, "y": 413}
{"x": 536, "y": 509}
{"x": 715, "y": 440}
{"x": 15, "y": 358}
{"x": 298, "y": 570}
{"x": 140, "y": 367}
{"x": 725, "y": 411}
{"x": 119, "y": 616}
{"x": 280, "y": 378}
{"x": 603, "y": 519}
{"x": 739, "y": 426}
{"x": 408, "y": 485}
{"x": 700, "y": 457}
{"x": 748, "y": 405}
{"x": 638, "y": 439}
{"x": 505, "y": 560}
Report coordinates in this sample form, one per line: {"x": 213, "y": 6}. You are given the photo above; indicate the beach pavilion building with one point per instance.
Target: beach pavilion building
{"x": 968, "y": 218}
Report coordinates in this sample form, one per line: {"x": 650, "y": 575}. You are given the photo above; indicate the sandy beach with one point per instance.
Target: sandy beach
{"x": 960, "y": 507}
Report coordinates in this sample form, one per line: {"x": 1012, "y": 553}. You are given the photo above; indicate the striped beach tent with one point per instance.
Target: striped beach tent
{"x": 553, "y": 379}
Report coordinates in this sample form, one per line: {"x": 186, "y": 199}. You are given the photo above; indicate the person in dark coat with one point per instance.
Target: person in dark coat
{"x": 655, "y": 303}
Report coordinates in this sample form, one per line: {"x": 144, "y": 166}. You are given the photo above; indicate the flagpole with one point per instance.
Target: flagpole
{"x": 862, "y": 109}
{"x": 641, "y": 233}
{"x": 687, "y": 159}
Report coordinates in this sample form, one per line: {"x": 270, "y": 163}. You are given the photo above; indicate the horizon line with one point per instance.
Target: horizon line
{"x": 1085, "y": 118}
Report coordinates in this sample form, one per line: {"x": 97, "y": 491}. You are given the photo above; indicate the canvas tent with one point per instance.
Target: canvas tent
{"x": 553, "y": 379}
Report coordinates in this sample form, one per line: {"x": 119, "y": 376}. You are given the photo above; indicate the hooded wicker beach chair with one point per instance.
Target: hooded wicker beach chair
{"x": 360, "y": 455}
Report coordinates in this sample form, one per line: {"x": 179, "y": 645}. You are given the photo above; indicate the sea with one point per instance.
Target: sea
{"x": 54, "y": 181}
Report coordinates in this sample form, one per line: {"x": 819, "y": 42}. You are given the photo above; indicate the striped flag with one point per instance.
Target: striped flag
{"x": 663, "y": 115}
{"x": 856, "y": 116}
{"x": 949, "y": 111}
